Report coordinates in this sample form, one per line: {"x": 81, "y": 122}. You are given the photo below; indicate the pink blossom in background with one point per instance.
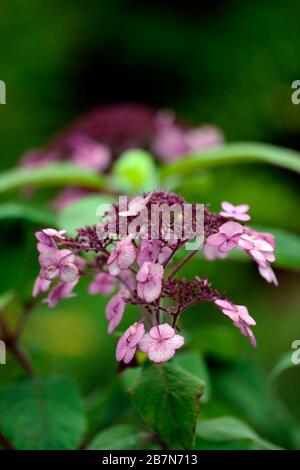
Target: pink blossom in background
{"x": 127, "y": 344}
{"x": 68, "y": 196}
{"x": 236, "y": 212}
{"x": 227, "y": 238}
{"x": 91, "y": 154}
{"x": 201, "y": 138}
{"x": 122, "y": 256}
{"x": 160, "y": 343}
{"x": 149, "y": 281}
{"x": 114, "y": 312}
{"x": 103, "y": 284}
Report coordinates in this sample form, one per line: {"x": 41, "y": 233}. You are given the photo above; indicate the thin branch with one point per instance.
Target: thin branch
{"x": 182, "y": 263}
{"x": 14, "y": 348}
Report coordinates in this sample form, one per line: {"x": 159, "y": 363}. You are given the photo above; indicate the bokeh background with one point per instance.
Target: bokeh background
{"x": 228, "y": 63}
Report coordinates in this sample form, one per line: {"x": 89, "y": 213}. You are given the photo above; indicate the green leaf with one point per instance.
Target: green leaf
{"x": 135, "y": 171}
{"x": 168, "y": 399}
{"x": 236, "y": 153}
{"x": 58, "y": 174}
{"x": 42, "y": 414}
{"x": 120, "y": 437}
{"x": 82, "y": 212}
{"x": 244, "y": 388}
{"x": 227, "y": 428}
{"x": 194, "y": 363}
{"x": 11, "y": 210}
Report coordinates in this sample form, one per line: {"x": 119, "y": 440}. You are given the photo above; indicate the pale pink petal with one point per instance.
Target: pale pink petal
{"x": 244, "y": 315}
{"x": 216, "y": 239}
{"x": 246, "y": 242}
{"x": 160, "y": 353}
{"x": 227, "y": 206}
{"x": 262, "y": 245}
{"x": 225, "y": 304}
{"x": 268, "y": 274}
{"x": 242, "y": 208}
{"x": 162, "y": 332}
{"x": 68, "y": 273}
{"x": 231, "y": 228}
{"x": 242, "y": 217}
{"x": 226, "y": 246}
{"x": 176, "y": 342}
{"x": 145, "y": 343}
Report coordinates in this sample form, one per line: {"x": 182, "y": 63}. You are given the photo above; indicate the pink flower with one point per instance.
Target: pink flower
{"x": 58, "y": 264}
{"x": 149, "y": 251}
{"x": 103, "y": 284}
{"x": 204, "y": 137}
{"x": 149, "y": 281}
{"x": 260, "y": 250}
{"x": 91, "y": 154}
{"x": 160, "y": 343}
{"x": 236, "y": 212}
{"x": 240, "y": 317}
{"x": 122, "y": 256}
{"x": 40, "y": 285}
{"x": 46, "y": 238}
{"x": 260, "y": 246}
{"x": 114, "y": 312}
{"x": 235, "y": 312}
{"x": 127, "y": 344}
{"x": 62, "y": 290}
{"x": 227, "y": 238}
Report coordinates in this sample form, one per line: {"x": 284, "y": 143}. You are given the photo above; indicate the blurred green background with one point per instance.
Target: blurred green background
{"x": 228, "y": 63}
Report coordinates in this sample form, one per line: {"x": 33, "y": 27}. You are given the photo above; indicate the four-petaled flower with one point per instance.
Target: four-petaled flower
{"x": 149, "y": 281}
{"x": 58, "y": 264}
{"x": 236, "y": 212}
{"x": 227, "y": 237}
{"x": 160, "y": 343}
{"x": 127, "y": 344}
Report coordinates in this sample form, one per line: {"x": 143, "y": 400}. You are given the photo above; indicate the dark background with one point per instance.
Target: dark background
{"x": 229, "y": 63}
{"x": 226, "y": 62}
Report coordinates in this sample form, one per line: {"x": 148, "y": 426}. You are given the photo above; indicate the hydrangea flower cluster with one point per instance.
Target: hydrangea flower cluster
{"x": 142, "y": 271}
{"x": 97, "y": 139}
